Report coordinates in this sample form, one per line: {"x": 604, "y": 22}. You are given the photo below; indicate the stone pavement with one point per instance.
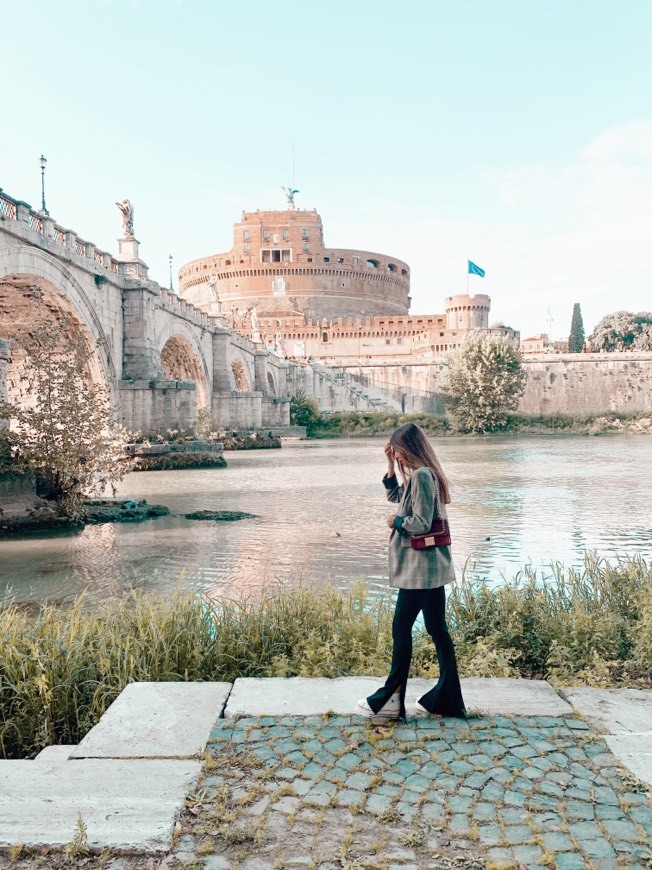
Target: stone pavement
{"x": 329, "y": 790}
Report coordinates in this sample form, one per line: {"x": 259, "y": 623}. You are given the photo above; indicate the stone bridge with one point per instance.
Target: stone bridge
{"x": 159, "y": 358}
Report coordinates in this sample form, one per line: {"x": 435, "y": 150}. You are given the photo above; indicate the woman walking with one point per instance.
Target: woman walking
{"x": 420, "y": 576}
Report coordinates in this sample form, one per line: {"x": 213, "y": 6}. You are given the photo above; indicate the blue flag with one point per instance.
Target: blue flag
{"x": 475, "y": 270}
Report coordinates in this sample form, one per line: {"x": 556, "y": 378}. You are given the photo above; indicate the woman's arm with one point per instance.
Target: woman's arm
{"x": 423, "y": 504}
{"x": 394, "y": 490}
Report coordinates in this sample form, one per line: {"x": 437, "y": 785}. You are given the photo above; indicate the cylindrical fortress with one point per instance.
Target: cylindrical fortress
{"x": 468, "y": 312}
{"x": 279, "y": 264}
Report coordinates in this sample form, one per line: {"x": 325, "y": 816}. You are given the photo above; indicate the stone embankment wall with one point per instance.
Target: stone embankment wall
{"x": 587, "y": 382}
{"x": 556, "y": 383}
{"x": 335, "y": 390}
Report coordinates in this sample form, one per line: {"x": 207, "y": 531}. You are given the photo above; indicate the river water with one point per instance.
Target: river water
{"x": 320, "y": 517}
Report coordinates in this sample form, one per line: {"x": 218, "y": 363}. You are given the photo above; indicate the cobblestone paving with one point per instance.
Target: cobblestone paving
{"x": 336, "y": 792}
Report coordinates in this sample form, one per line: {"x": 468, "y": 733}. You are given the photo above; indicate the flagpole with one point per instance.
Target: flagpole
{"x": 467, "y": 277}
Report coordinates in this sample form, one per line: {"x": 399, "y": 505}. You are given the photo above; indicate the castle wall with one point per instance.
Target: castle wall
{"x": 564, "y": 383}
{"x": 279, "y": 263}
{"x": 587, "y": 382}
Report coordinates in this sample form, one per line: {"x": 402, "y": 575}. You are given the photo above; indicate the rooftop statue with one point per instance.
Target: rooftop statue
{"x": 127, "y": 210}
{"x": 289, "y": 195}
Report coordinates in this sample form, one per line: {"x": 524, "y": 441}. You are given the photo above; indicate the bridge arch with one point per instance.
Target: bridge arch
{"x": 183, "y": 360}
{"x": 38, "y": 289}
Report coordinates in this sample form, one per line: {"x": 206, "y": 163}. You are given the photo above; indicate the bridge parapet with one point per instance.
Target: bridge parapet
{"x": 182, "y": 308}
{"x": 43, "y": 225}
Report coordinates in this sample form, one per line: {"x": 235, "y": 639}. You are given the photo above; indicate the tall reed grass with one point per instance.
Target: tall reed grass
{"x": 60, "y": 669}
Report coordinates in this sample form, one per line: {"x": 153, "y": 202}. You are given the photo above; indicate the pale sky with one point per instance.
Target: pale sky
{"x": 515, "y": 133}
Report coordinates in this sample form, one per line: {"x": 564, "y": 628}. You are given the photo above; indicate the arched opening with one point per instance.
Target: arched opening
{"x": 179, "y": 362}
{"x": 240, "y": 376}
{"x": 271, "y": 386}
{"x": 30, "y": 305}
{"x": 372, "y": 264}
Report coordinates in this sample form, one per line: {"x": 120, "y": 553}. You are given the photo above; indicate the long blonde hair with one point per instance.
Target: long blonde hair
{"x": 413, "y": 443}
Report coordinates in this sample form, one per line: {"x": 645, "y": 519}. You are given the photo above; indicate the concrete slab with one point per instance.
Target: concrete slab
{"x": 130, "y": 805}
{"x": 56, "y": 753}
{"x": 504, "y": 696}
{"x": 635, "y": 752}
{"x": 124, "y": 804}
{"x": 156, "y": 720}
{"x": 312, "y": 696}
{"x": 613, "y": 711}
{"x": 298, "y": 696}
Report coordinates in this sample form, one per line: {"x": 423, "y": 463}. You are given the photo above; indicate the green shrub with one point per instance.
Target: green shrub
{"x": 304, "y": 411}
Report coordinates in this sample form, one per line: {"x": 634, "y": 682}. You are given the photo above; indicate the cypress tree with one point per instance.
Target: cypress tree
{"x": 576, "y": 337}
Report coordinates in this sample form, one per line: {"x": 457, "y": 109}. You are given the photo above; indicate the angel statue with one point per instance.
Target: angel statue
{"x": 255, "y": 327}
{"x": 289, "y": 194}
{"x": 216, "y": 305}
{"x": 127, "y": 210}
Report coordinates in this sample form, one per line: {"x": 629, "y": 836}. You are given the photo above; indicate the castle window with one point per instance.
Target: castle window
{"x": 327, "y": 259}
{"x": 404, "y": 272}
{"x": 286, "y": 235}
{"x": 265, "y": 235}
{"x": 246, "y": 249}
{"x": 304, "y": 234}
{"x": 391, "y": 267}
{"x": 372, "y": 264}
{"x": 245, "y": 235}
{"x": 306, "y": 246}
{"x": 340, "y": 259}
{"x": 388, "y": 341}
{"x": 324, "y": 337}
{"x": 271, "y": 255}
{"x": 356, "y": 262}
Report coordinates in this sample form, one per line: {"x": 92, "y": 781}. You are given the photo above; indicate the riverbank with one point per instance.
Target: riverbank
{"x": 365, "y": 425}
{"x": 592, "y": 627}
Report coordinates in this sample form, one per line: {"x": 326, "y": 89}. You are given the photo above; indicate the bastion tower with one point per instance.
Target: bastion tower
{"x": 279, "y": 265}
{"x": 465, "y": 312}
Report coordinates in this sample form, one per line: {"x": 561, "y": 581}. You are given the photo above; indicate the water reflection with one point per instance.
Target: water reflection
{"x": 320, "y": 516}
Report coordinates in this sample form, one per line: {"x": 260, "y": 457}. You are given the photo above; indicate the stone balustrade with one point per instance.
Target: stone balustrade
{"x": 43, "y": 225}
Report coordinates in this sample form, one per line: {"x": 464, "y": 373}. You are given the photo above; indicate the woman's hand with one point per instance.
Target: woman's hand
{"x": 390, "y": 520}
{"x": 389, "y": 453}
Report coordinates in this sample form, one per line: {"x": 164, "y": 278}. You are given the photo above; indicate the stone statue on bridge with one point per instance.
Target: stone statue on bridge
{"x": 127, "y": 210}
{"x": 216, "y": 305}
{"x": 255, "y": 327}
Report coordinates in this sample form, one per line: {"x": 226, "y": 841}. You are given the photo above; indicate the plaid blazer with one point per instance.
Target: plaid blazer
{"x": 418, "y": 505}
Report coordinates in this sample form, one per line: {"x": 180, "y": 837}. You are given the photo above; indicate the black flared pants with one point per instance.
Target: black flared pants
{"x": 446, "y": 697}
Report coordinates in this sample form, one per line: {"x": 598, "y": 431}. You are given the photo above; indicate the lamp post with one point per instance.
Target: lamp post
{"x": 42, "y": 163}
{"x": 170, "y": 262}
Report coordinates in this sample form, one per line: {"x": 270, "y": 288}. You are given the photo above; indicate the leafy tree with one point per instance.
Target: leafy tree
{"x": 304, "y": 411}
{"x": 576, "y": 337}
{"x": 623, "y": 330}
{"x": 65, "y": 432}
{"x": 484, "y": 380}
